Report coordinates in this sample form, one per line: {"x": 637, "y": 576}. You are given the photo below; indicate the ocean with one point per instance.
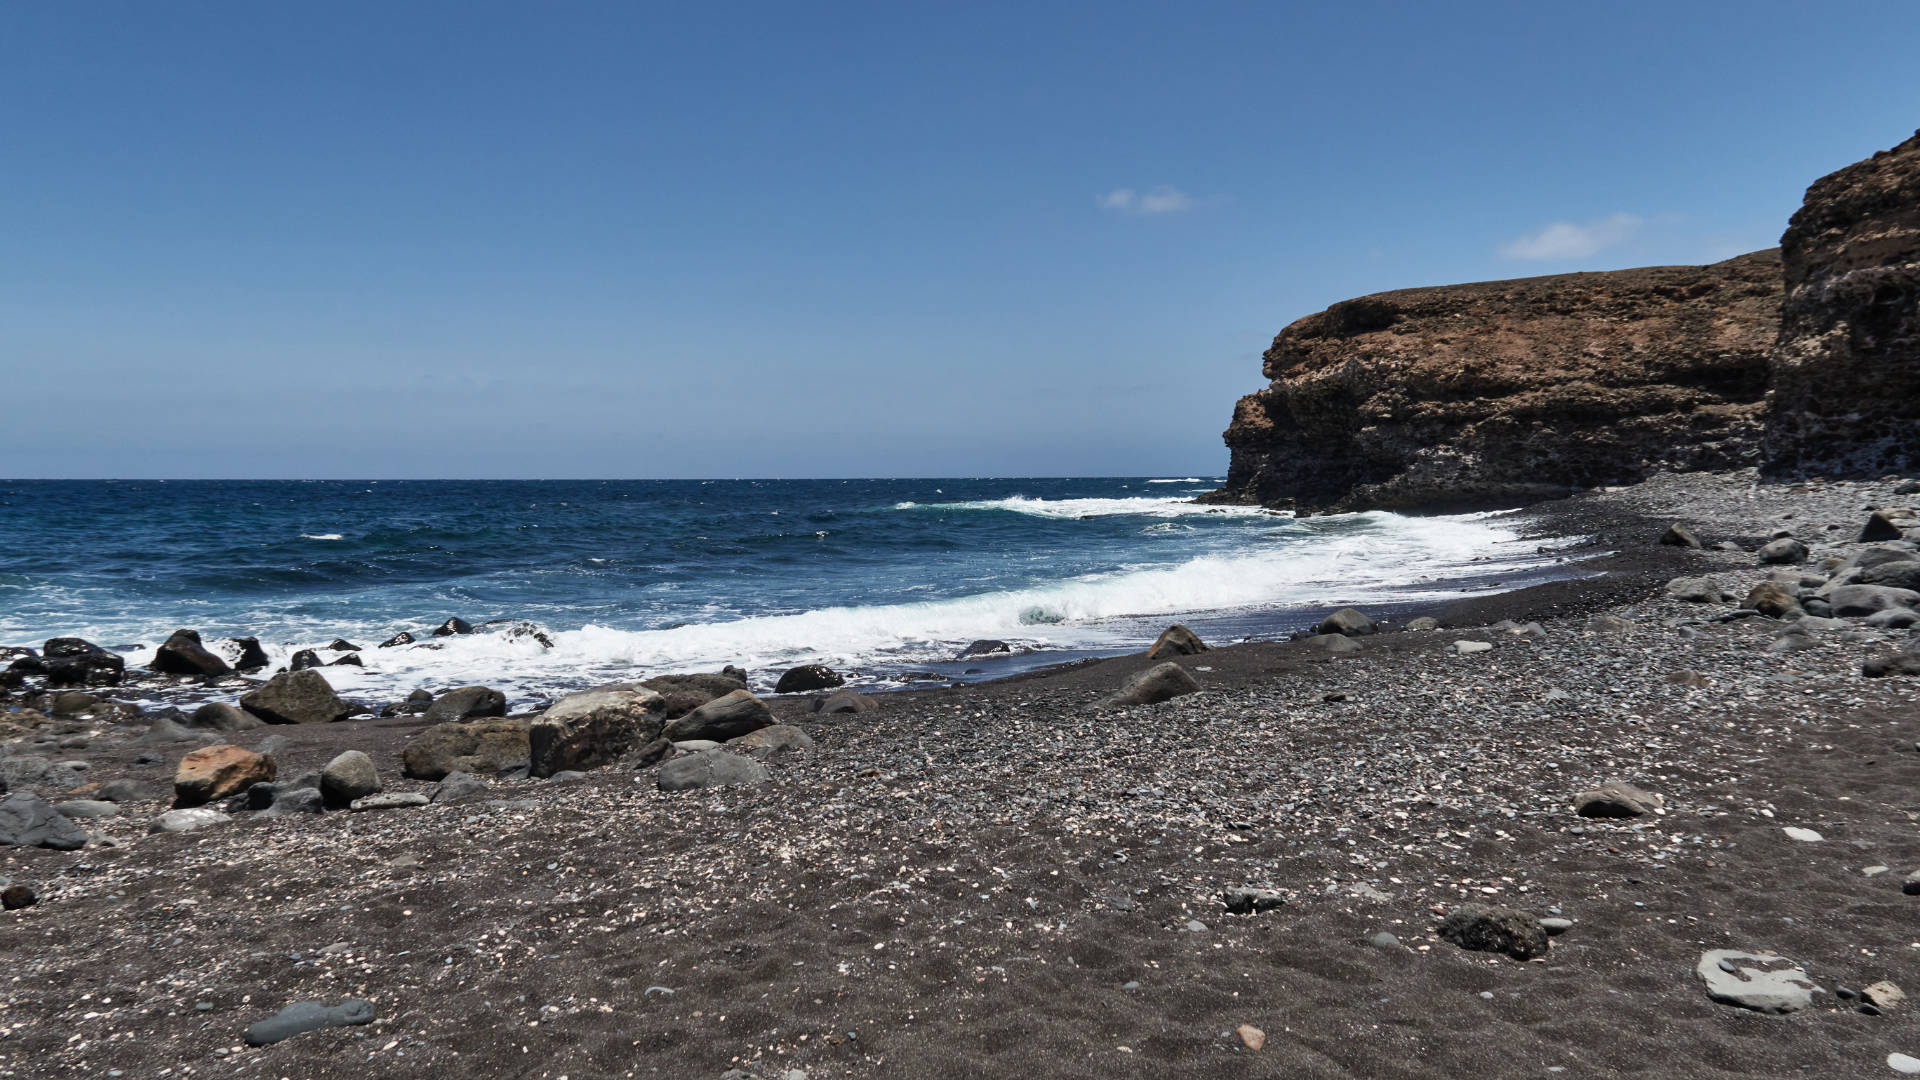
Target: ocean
{"x": 886, "y": 581}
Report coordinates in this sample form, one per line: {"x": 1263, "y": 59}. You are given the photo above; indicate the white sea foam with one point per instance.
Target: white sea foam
{"x": 321, "y": 536}
{"x": 1365, "y": 559}
{"x": 1139, "y": 506}
{"x": 1181, "y": 480}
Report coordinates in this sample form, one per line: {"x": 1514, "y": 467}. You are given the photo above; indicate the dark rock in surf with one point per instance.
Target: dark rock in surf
{"x": 466, "y": 702}
{"x": 252, "y": 657}
{"x": 343, "y": 645}
{"x": 296, "y": 697}
{"x": 349, "y": 660}
{"x": 1176, "y": 640}
{"x": 304, "y": 659}
{"x": 453, "y": 626}
{"x": 808, "y": 677}
{"x": 77, "y": 662}
{"x": 183, "y": 654}
{"x": 985, "y": 647}
{"x": 401, "y": 638}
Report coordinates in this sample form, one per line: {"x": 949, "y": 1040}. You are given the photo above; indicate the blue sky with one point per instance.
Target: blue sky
{"x": 611, "y": 239}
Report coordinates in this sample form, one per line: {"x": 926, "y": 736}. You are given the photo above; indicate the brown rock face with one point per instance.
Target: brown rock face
{"x": 1506, "y": 391}
{"x": 1846, "y": 369}
{"x": 215, "y": 772}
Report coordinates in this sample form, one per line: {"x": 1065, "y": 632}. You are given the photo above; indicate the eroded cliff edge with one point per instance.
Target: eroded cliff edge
{"x": 1846, "y": 370}
{"x": 1507, "y": 391}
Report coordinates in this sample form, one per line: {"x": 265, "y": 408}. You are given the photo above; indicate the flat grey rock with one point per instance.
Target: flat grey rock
{"x": 198, "y": 817}
{"x": 393, "y": 800}
{"x": 1762, "y": 982}
{"x": 710, "y": 768}
{"x": 304, "y": 1016}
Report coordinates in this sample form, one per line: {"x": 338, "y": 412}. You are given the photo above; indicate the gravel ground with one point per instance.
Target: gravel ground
{"x": 1003, "y": 879}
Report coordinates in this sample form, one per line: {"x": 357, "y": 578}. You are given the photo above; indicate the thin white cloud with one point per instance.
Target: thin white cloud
{"x": 1567, "y": 240}
{"x": 1160, "y": 200}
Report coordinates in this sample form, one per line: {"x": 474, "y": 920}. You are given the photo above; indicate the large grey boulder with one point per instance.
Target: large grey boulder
{"x": 1486, "y": 928}
{"x": 467, "y": 702}
{"x": 1858, "y": 601}
{"x": 347, "y": 777}
{"x": 183, "y": 654}
{"x": 1903, "y": 574}
{"x": 27, "y": 821}
{"x": 726, "y": 717}
{"x": 485, "y": 747}
{"x": 1349, "y": 621}
{"x": 220, "y": 716}
{"x": 296, "y": 697}
{"x": 1785, "y": 551}
{"x": 72, "y": 661}
{"x": 710, "y": 768}
{"x": 1176, "y": 640}
{"x": 1762, "y": 982}
{"x": 584, "y": 731}
{"x": 685, "y": 693}
{"x": 1162, "y": 682}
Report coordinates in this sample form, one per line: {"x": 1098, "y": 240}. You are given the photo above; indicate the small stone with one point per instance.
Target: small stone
{"x": 1195, "y": 926}
{"x": 1759, "y": 981}
{"x": 1679, "y": 535}
{"x": 15, "y": 897}
{"x": 1556, "y": 927}
{"x": 1252, "y": 1037}
{"x": 349, "y": 776}
{"x": 1911, "y": 885}
{"x": 395, "y": 800}
{"x": 1384, "y": 940}
{"x": 1467, "y": 648}
{"x": 1805, "y": 836}
{"x": 1241, "y": 900}
{"x": 1903, "y": 1063}
{"x": 1617, "y": 799}
{"x": 198, "y": 817}
{"x": 1884, "y": 994}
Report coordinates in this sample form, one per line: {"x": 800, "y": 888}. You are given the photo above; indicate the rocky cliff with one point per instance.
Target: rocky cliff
{"x": 1846, "y": 369}
{"x": 1505, "y": 391}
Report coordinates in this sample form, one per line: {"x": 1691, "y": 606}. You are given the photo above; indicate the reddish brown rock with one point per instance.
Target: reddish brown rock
{"x": 1846, "y": 368}
{"x": 1504, "y": 391}
{"x": 215, "y": 772}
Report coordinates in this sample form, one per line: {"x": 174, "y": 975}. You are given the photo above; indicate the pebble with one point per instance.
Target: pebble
{"x": 1384, "y": 940}
{"x": 1556, "y": 927}
{"x": 1467, "y": 648}
{"x": 1903, "y": 1063}
{"x": 1807, "y": 836}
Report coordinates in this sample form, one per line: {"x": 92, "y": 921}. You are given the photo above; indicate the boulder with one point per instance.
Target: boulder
{"x": 1679, "y": 535}
{"x": 401, "y": 638}
{"x": 453, "y": 626}
{"x": 296, "y": 697}
{"x": 684, "y": 693}
{"x": 1424, "y": 622}
{"x": 21, "y": 770}
{"x": 1859, "y": 601}
{"x": 187, "y": 820}
{"x": 709, "y": 768}
{"x": 844, "y": 701}
{"x": 467, "y": 702}
{"x": 772, "y": 741}
{"x": 1697, "y": 590}
{"x": 1486, "y": 928}
{"x": 1785, "y": 551}
{"x": 220, "y": 716}
{"x": 1334, "y": 643}
{"x": 1762, "y": 982}
{"x": 1880, "y": 526}
{"x": 1616, "y": 799}
{"x": 1348, "y": 621}
{"x": 808, "y": 677}
{"x": 26, "y": 821}
{"x": 1772, "y": 599}
{"x": 71, "y": 661}
{"x": 349, "y": 776}
{"x": 726, "y": 717}
{"x": 1899, "y": 664}
{"x": 1162, "y": 682}
{"x": 583, "y": 731}
{"x": 458, "y": 787}
{"x": 304, "y": 659}
{"x": 1904, "y": 574}
{"x": 183, "y": 654}
{"x": 485, "y": 747}
{"x": 250, "y": 656}
{"x": 342, "y": 645}
{"x": 215, "y": 772}
{"x": 1894, "y": 619}
{"x": 985, "y": 647}
{"x": 17, "y": 896}
{"x": 349, "y": 660}
{"x": 1176, "y": 640}
{"x": 291, "y": 801}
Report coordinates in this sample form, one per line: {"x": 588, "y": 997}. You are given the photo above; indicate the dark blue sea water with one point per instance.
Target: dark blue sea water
{"x": 633, "y": 578}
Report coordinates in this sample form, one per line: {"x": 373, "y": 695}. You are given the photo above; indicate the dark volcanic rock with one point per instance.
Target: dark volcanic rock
{"x": 1509, "y": 390}
{"x": 684, "y": 693}
{"x": 709, "y": 768}
{"x": 583, "y": 731}
{"x": 304, "y": 659}
{"x": 1679, "y": 535}
{"x": 808, "y": 677}
{"x": 1616, "y": 799}
{"x": 723, "y": 718}
{"x": 220, "y": 716}
{"x": 985, "y": 647}
{"x": 845, "y": 701}
{"x": 26, "y": 821}
{"x": 1484, "y": 928}
{"x": 1846, "y": 368}
{"x": 465, "y": 702}
{"x": 77, "y": 662}
{"x": 296, "y": 697}
{"x": 252, "y": 657}
{"x": 483, "y": 747}
{"x": 183, "y": 654}
{"x": 1176, "y": 640}
{"x": 401, "y": 638}
{"x": 1347, "y": 622}
{"x": 1162, "y": 682}
{"x": 453, "y": 626}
